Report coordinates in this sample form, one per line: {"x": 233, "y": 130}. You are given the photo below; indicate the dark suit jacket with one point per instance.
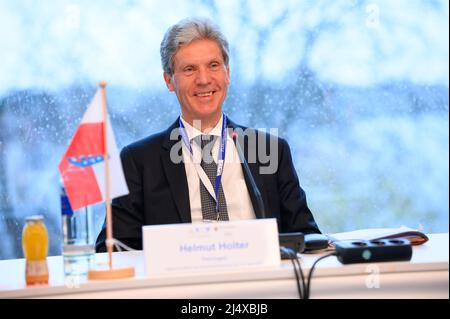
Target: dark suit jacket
{"x": 159, "y": 191}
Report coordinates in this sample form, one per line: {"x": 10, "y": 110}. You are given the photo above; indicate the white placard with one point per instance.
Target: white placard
{"x": 210, "y": 246}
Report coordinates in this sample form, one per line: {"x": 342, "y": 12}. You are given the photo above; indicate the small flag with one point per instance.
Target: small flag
{"x": 83, "y": 167}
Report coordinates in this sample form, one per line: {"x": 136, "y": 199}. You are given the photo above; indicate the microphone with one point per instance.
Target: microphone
{"x": 294, "y": 241}
{"x": 253, "y": 186}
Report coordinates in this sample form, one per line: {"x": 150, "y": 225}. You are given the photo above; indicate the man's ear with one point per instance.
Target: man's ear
{"x": 169, "y": 83}
{"x": 228, "y": 74}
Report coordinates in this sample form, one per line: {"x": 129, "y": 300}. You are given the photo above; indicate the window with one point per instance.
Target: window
{"x": 359, "y": 89}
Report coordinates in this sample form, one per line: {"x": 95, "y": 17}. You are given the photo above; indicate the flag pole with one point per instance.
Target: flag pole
{"x": 110, "y": 273}
{"x": 109, "y": 236}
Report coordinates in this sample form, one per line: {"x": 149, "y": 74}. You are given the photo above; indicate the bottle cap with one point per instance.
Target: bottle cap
{"x": 34, "y": 218}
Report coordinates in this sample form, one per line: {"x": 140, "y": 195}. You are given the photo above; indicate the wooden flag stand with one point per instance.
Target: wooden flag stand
{"x": 110, "y": 272}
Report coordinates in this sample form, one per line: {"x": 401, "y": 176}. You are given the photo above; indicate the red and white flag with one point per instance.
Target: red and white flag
{"x": 83, "y": 168}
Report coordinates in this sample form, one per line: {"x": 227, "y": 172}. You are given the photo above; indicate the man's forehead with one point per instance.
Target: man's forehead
{"x": 198, "y": 51}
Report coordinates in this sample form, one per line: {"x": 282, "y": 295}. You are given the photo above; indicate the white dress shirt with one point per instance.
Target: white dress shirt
{"x": 239, "y": 205}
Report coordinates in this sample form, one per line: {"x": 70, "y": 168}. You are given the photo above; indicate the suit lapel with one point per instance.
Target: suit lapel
{"x": 176, "y": 174}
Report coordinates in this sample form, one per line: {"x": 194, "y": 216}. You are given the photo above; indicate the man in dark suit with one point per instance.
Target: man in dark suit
{"x": 192, "y": 172}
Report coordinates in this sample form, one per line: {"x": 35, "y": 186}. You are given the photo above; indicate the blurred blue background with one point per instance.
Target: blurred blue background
{"x": 360, "y": 89}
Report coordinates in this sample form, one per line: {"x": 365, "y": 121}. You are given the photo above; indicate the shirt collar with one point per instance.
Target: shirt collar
{"x": 192, "y": 132}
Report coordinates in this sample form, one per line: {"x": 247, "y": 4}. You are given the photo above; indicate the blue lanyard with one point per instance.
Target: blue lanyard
{"x": 220, "y": 157}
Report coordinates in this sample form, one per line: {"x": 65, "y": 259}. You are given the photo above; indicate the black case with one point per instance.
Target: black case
{"x": 369, "y": 251}
{"x": 294, "y": 241}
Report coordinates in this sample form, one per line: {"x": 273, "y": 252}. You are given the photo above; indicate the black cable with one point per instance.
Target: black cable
{"x": 311, "y": 273}
{"x": 301, "y": 273}
{"x": 294, "y": 259}
{"x": 300, "y": 293}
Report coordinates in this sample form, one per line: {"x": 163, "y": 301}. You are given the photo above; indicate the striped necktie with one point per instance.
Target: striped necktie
{"x": 210, "y": 168}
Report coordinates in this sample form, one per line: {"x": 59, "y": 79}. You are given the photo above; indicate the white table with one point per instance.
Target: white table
{"x": 425, "y": 276}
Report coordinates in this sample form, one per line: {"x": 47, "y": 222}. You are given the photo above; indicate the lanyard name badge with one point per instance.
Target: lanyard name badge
{"x": 220, "y": 162}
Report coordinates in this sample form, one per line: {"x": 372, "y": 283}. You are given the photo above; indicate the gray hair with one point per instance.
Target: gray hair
{"x": 186, "y": 31}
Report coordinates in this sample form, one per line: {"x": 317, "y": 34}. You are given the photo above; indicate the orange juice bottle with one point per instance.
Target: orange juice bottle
{"x": 35, "y": 248}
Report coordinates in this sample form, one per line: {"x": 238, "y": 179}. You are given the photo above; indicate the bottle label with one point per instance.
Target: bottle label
{"x": 66, "y": 209}
{"x": 37, "y": 271}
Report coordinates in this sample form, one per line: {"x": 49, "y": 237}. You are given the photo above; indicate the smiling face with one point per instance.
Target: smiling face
{"x": 200, "y": 80}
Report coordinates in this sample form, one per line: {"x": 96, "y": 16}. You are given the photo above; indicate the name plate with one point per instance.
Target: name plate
{"x": 210, "y": 246}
